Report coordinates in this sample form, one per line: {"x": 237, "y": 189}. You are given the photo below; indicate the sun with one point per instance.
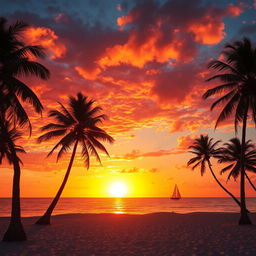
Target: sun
{"x": 118, "y": 189}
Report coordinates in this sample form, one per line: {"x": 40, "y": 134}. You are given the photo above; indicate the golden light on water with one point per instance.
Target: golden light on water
{"x": 118, "y": 189}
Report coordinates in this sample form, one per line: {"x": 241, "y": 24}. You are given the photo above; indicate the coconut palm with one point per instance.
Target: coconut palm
{"x": 15, "y": 62}
{"x": 76, "y": 125}
{"x": 8, "y": 149}
{"x": 230, "y": 154}
{"x": 237, "y": 77}
{"x": 204, "y": 148}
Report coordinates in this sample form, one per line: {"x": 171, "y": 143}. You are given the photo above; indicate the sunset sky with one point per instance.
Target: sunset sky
{"x": 144, "y": 62}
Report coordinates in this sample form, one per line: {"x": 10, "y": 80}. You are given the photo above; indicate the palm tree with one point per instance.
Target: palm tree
{"x": 204, "y": 148}
{"x": 76, "y": 125}
{"x": 9, "y": 150}
{"x": 231, "y": 154}
{"x": 237, "y": 77}
{"x": 15, "y": 62}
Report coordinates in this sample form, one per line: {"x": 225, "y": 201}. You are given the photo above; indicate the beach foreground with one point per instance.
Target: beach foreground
{"x": 151, "y": 234}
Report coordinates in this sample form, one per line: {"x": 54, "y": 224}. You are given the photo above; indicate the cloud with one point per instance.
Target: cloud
{"x": 209, "y": 28}
{"x": 138, "y": 170}
{"x": 146, "y": 72}
{"x": 137, "y": 154}
{"x": 133, "y": 170}
{"x": 175, "y": 84}
{"x": 185, "y": 141}
{"x": 47, "y": 38}
{"x": 165, "y": 35}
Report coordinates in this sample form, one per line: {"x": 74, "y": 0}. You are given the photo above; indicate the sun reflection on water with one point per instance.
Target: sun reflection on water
{"x": 118, "y": 206}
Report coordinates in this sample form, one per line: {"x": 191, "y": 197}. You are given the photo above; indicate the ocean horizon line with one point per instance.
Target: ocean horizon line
{"x": 71, "y": 197}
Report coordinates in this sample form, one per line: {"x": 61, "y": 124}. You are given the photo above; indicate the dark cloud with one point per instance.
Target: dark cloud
{"x": 175, "y": 84}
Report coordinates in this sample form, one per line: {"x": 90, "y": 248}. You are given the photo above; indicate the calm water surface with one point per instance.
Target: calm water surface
{"x": 37, "y": 206}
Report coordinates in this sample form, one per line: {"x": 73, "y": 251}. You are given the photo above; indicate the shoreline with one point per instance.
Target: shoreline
{"x": 127, "y": 214}
{"x": 154, "y": 234}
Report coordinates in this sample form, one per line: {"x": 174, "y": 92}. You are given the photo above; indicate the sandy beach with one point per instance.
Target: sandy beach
{"x": 135, "y": 235}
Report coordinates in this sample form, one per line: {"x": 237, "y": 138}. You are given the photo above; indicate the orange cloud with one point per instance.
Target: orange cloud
{"x": 185, "y": 141}
{"x": 209, "y": 33}
{"x": 138, "y": 55}
{"x": 234, "y": 10}
{"x": 122, "y": 21}
{"x": 183, "y": 125}
{"x": 137, "y": 154}
{"x": 46, "y": 38}
{"x": 88, "y": 74}
{"x": 210, "y": 29}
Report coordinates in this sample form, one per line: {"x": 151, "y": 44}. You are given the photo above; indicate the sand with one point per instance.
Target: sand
{"x": 163, "y": 234}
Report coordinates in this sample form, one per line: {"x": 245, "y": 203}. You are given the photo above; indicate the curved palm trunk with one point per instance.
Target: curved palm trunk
{"x": 229, "y": 193}
{"x": 15, "y": 231}
{"x": 45, "y": 219}
{"x": 244, "y": 218}
{"x": 247, "y": 177}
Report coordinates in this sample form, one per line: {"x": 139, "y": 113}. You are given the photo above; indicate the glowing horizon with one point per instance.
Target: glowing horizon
{"x": 147, "y": 75}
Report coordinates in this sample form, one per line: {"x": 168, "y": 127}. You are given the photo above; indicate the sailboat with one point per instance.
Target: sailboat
{"x": 176, "y": 193}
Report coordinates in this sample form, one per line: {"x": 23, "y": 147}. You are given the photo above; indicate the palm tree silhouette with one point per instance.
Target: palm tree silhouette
{"x": 15, "y": 62}
{"x": 76, "y": 125}
{"x": 231, "y": 153}
{"x": 9, "y": 150}
{"x": 237, "y": 76}
{"x": 204, "y": 148}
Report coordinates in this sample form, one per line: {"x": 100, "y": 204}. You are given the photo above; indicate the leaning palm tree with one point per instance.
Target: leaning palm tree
{"x": 76, "y": 125}
{"x": 8, "y": 149}
{"x": 204, "y": 148}
{"x": 230, "y": 154}
{"x": 237, "y": 77}
{"x": 15, "y": 62}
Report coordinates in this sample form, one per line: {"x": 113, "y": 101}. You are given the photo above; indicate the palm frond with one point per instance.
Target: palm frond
{"x": 231, "y": 79}
{"x": 222, "y": 66}
{"x": 85, "y": 154}
{"x": 17, "y": 28}
{"x": 51, "y": 134}
{"x": 23, "y": 91}
{"x": 98, "y": 145}
{"x": 100, "y": 134}
{"x": 219, "y": 89}
{"x": 24, "y": 67}
{"x": 66, "y": 140}
{"x": 193, "y": 160}
{"x": 52, "y": 126}
{"x": 24, "y": 52}
{"x": 226, "y": 168}
{"x": 92, "y": 150}
{"x": 228, "y": 109}
{"x": 223, "y": 99}
{"x": 61, "y": 118}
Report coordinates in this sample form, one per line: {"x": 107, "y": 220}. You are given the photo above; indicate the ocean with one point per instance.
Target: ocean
{"x": 37, "y": 206}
